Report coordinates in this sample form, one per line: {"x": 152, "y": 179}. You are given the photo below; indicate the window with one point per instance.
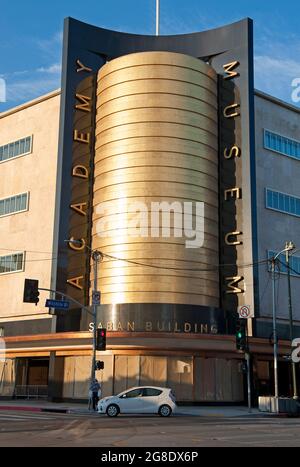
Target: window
{"x": 281, "y": 202}
{"x": 14, "y": 204}
{"x": 12, "y": 263}
{"x": 1, "y": 332}
{"x": 151, "y": 392}
{"x": 134, "y": 393}
{"x": 286, "y": 146}
{"x": 281, "y": 267}
{"x": 16, "y": 149}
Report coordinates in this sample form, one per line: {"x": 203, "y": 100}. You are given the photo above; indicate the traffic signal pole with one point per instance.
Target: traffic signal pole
{"x": 97, "y": 256}
{"x": 247, "y": 357}
{"x": 242, "y": 345}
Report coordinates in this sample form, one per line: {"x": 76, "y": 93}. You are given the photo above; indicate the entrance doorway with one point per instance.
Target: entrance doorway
{"x": 32, "y": 378}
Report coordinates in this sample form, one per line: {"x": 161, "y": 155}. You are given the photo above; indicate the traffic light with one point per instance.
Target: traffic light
{"x": 244, "y": 367}
{"x": 241, "y": 335}
{"x": 31, "y": 291}
{"x": 101, "y": 339}
{"x": 99, "y": 365}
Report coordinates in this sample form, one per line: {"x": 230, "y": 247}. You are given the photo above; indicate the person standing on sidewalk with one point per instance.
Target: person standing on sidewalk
{"x": 95, "y": 388}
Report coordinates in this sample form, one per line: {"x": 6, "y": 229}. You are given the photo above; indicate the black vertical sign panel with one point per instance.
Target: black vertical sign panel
{"x": 92, "y": 47}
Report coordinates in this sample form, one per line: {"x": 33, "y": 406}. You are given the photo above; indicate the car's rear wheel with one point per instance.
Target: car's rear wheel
{"x": 112, "y": 410}
{"x": 165, "y": 410}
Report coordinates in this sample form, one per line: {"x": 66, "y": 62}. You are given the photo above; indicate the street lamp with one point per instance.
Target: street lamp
{"x": 288, "y": 255}
{"x": 97, "y": 257}
{"x": 288, "y": 248}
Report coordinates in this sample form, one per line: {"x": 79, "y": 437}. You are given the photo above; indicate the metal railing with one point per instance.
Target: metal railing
{"x": 31, "y": 392}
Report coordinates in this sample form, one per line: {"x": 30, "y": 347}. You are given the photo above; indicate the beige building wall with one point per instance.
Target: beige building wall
{"x": 31, "y": 231}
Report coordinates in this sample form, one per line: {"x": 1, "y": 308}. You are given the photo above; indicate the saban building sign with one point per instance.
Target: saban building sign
{"x": 229, "y": 51}
{"x": 160, "y": 318}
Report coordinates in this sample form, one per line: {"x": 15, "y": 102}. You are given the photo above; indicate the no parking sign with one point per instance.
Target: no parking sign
{"x": 245, "y": 312}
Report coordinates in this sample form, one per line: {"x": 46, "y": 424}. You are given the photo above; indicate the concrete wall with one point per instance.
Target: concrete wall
{"x": 32, "y": 231}
{"x": 280, "y": 173}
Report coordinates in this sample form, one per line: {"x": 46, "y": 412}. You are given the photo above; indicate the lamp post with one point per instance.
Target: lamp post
{"x": 97, "y": 257}
{"x": 291, "y": 247}
{"x": 288, "y": 248}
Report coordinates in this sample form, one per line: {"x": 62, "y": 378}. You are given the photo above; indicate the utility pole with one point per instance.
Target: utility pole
{"x": 157, "y": 17}
{"x": 287, "y": 249}
{"x": 97, "y": 257}
{"x": 289, "y": 246}
{"x": 276, "y": 391}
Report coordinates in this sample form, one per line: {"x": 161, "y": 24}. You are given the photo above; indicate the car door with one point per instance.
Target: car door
{"x": 131, "y": 401}
{"x": 150, "y": 400}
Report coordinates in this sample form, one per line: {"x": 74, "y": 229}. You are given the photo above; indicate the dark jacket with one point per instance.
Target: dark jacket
{"x": 95, "y": 386}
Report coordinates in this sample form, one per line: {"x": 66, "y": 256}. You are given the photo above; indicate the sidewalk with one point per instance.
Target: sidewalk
{"x": 44, "y": 406}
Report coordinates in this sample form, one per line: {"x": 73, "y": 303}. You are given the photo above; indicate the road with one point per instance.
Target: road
{"x": 70, "y": 430}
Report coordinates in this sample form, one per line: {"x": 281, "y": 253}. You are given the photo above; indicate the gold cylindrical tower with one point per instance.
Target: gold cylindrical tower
{"x": 156, "y": 141}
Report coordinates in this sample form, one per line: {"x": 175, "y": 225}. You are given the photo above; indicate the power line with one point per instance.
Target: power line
{"x": 289, "y": 267}
{"x": 155, "y": 266}
{"x": 20, "y": 250}
{"x": 214, "y": 268}
{"x": 138, "y": 263}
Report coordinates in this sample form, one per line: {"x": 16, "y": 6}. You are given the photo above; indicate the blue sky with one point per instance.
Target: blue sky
{"x": 31, "y": 36}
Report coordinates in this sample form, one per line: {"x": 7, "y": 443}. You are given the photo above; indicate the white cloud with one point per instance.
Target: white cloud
{"x": 275, "y": 75}
{"x": 277, "y": 62}
{"x": 51, "y": 47}
{"x": 22, "y": 91}
{"x": 52, "y": 69}
{"x": 24, "y": 85}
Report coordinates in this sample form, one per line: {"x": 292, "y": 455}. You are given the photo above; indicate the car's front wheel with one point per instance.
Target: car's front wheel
{"x": 112, "y": 410}
{"x": 165, "y": 410}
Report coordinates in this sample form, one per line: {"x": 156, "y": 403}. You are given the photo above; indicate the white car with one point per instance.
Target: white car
{"x": 139, "y": 400}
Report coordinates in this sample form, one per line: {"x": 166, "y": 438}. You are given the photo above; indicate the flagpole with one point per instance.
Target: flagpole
{"x": 157, "y": 17}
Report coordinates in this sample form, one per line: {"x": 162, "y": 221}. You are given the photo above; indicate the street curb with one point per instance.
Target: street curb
{"x": 32, "y": 409}
{"x": 283, "y": 415}
{"x": 20, "y": 408}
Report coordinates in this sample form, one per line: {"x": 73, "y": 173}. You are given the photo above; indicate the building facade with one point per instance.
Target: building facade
{"x": 277, "y": 156}
{"x": 148, "y": 122}
{"x": 28, "y": 165}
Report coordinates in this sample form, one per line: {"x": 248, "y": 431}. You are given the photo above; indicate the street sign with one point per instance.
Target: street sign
{"x": 96, "y": 297}
{"x": 245, "y": 312}
{"x": 58, "y": 304}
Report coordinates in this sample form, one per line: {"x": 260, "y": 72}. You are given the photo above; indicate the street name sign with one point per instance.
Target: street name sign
{"x": 58, "y": 304}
